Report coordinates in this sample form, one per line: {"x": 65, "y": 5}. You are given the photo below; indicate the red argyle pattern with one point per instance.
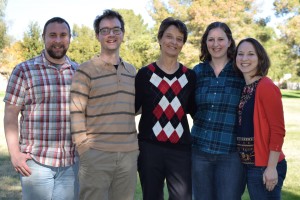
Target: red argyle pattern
{"x": 170, "y": 108}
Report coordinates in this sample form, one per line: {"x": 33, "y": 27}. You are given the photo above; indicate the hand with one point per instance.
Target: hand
{"x": 270, "y": 178}
{"x": 19, "y": 162}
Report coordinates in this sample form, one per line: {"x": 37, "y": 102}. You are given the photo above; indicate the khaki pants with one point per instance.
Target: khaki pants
{"x": 108, "y": 175}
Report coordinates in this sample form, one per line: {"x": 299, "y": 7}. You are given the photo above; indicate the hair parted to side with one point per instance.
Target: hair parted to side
{"x": 58, "y": 20}
{"x": 108, "y": 14}
{"x": 175, "y": 22}
{"x": 263, "y": 63}
{"x": 205, "y": 55}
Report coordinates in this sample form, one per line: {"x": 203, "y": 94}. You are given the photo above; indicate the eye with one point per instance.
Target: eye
{"x": 104, "y": 31}
{"x": 52, "y": 35}
{"x": 64, "y": 35}
{"x": 180, "y": 39}
{"x": 117, "y": 30}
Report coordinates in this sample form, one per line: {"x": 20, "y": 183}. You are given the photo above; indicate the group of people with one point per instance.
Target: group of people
{"x": 76, "y": 137}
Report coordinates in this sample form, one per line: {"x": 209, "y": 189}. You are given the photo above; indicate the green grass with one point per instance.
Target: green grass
{"x": 10, "y": 188}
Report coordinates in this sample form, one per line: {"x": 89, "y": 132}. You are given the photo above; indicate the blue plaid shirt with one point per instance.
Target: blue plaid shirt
{"x": 217, "y": 99}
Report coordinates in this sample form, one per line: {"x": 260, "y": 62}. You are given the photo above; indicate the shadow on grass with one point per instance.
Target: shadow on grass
{"x": 290, "y": 94}
{"x": 287, "y": 195}
{"x": 10, "y": 187}
{"x": 294, "y": 96}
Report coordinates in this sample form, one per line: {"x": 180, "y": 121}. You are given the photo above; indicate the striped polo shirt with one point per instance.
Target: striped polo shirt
{"x": 102, "y": 107}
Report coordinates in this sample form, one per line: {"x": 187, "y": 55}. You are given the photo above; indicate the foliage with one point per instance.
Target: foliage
{"x": 289, "y": 29}
{"x": 140, "y": 45}
{"x": 32, "y": 43}
{"x": 239, "y": 15}
{"x": 84, "y": 44}
{"x": 12, "y": 55}
{"x": 4, "y": 39}
{"x": 137, "y": 39}
{"x": 134, "y": 49}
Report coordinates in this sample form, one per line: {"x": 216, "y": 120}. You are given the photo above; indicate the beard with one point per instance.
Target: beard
{"x": 57, "y": 54}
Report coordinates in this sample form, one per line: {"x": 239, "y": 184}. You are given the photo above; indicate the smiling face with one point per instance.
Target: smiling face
{"x": 57, "y": 41}
{"x": 110, "y": 42}
{"x": 217, "y": 43}
{"x": 172, "y": 41}
{"x": 247, "y": 59}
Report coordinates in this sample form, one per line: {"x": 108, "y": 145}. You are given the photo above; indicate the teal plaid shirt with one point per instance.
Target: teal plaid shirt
{"x": 217, "y": 99}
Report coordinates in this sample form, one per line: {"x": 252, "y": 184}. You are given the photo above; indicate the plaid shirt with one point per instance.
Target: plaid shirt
{"x": 43, "y": 92}
{"x": 217, "y": 100}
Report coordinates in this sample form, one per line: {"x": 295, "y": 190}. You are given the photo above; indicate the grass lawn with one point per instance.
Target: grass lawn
{"x": 10, "y": 188}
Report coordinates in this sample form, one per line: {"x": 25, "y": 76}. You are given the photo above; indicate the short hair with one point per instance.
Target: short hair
{"x": 58, "y": 20}
{"x": 205, "y": 55}
{"x": 263, "y": 63}
{"x": 108, "y": 14}
{"x": 171, "y": 21}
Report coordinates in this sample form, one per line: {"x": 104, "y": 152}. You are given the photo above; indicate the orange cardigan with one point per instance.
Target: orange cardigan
{"x": 269, "y": 129}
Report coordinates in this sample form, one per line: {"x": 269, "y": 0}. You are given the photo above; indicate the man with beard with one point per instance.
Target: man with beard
{"x": 39, "y": 90}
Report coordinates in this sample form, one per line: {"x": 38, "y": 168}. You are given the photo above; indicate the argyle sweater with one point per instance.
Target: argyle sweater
{"x": 165, "y": 100}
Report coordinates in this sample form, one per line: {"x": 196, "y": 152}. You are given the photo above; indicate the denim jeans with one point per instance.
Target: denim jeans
{"x": 216, "y": 177}
{"x": 50, "y": 183}
{"x": 255, "y": 185}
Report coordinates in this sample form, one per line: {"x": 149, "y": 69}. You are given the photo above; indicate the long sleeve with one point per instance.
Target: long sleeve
{"x": 79, "y": 96}
{"x": 139, "y": 88}
{"x": 269, "y": 129}
{"x": 271, "y": 102}
{"x": 192, "y": 103}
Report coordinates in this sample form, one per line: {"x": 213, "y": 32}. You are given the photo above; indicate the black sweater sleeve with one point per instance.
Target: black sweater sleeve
{"x": 139, "y": 85}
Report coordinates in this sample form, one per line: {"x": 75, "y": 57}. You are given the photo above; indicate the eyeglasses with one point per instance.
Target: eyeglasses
{"x": 107, "y": 31}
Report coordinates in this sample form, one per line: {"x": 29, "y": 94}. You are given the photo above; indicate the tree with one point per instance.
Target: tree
{"x": 198, "y": 14}
{"x": 84, "y": 44}
{"x": 4, "y": 40}
{"x": 12, "y": 55}
{"x": 288, "y": 10}
{"x": 32, "y": 43}
{"x": 137, "y": 46}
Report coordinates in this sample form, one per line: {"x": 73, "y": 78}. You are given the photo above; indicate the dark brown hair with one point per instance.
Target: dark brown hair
{"x": 205, "y": 55}
{"x": 171, "y": 21}
{"x": 108, "y": 14}
{"x": 264, "y": 62}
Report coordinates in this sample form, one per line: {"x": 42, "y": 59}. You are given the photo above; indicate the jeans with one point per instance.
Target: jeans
{"x": 50, "y": 183}
{"x": 255, "y": 185}
{"x": 216, "y": 176}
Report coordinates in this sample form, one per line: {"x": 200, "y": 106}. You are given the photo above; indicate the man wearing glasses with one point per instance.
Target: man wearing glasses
{"x": 103, "y": 117}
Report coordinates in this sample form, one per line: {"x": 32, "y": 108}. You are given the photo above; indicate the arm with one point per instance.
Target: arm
{"x": 79, "y": 96}
{"x": 192, "y": 103}
{"x": 139, "y": 88}
{"x": 272, "y": 104}
{"x": 18, "y": 159}
{"x": 270, "y": 176}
